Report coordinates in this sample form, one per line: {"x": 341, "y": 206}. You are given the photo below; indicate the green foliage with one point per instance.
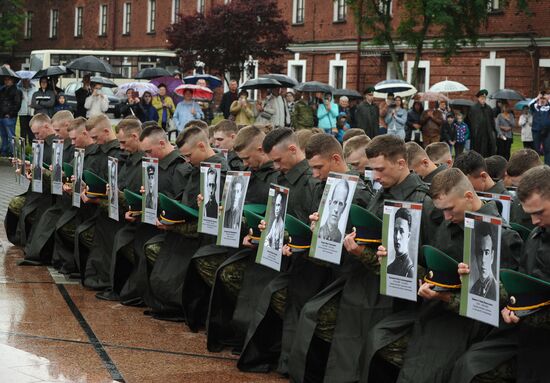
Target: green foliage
{"x": 11, "y": 19}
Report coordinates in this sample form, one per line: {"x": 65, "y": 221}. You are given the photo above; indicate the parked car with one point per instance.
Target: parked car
{"x": 115, "y": 102}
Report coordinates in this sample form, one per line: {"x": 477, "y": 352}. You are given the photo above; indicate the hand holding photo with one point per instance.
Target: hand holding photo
{"x": 150, "y": 184}
{"x": 112, "y": 165}
{"x": 78, "y": 169}
{"x": 57, "y": 167}
{"x": 37, "y": 160}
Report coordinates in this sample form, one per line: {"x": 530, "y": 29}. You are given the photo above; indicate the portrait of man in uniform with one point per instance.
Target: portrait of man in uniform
{"x": 330, "y": 230}
{"x": 57, "y": 168}
{"x": 276, "y": 231}
{"x": 149, "y": 198}
{"x": 211, "y": 207}
{"x": 232, "y": 213}
{"x": 37, "y": 169}
{"x": 112, "y": 186}
{"x": 402, "y": 264}
{"x": 483, "y": 254}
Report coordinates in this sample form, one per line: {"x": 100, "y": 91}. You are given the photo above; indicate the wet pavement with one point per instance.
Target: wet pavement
{"x": 52, "y": 331}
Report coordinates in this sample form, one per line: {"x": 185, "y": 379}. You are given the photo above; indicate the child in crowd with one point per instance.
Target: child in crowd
{"x": 462, "y": 134}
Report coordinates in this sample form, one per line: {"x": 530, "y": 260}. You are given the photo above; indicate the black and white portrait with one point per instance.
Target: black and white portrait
{"x": 276, "y": 230}
{"x": 150, "y": 187}
{"x": 211, "y": 195}
{"x": 36, "y": 161}
{"x": 333, "y": 225}
{"x": 113, "y": 181}
{"x": 57, "y": 163}
{"x": 401, "y": 263}
{"x": 483, "y": 256}
{"x": 233, "y": 203}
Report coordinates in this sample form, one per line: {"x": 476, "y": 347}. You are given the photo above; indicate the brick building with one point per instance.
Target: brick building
{"x": 513, "y": 50}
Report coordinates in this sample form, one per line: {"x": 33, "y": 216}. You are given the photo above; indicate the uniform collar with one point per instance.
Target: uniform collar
{"x": 264, "y": 171}
{"x": 166, "y": 161}
{"x": 403, "y": 190}
{"x": 108, "y": 146}
{"x": 91, "y": 149}
{"x": 429, "y": 178}
{"x": 498, "y": 188}
{"x": 49, "y": 139}
{"x": 297, "y": 171}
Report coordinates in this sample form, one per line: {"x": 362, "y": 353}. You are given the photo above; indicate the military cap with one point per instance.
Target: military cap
{"x": 173, "y": 212}
{"x": 252, "y": 221}
{"x": 442, "y": 270}
{"x": 68, "y": 169}
{"x": 134, "y": 202}
{"x": 150, "y": 170}
{"x": 46, "y": 165}
{"x": 368, "y": 227}
{"x": 482, "y": 92}
{"x": 527, "y": 294}
{"x": 256, "y": 208}
{"x": 28, "y": 157}
{"x": 370, "y": 90}
{"x": 97, "y": 186}
{"x": 521, "y": 230}
{"x": 299, "y": 234}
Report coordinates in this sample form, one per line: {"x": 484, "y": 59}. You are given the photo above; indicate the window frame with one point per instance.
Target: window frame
{"x": 298, "y": 12}
{"x": 176, "y": 5}
{"x": 78, "y": 21}
{"x": 54, "y": 23}
{"x": 201, "y": 6}
{"x": 27, "y": 25}
{"x": 151, "y": 16}
{"x": 102, "y": 20}
{"x": 126, "y": 18}
{"x": 340, "y": 11}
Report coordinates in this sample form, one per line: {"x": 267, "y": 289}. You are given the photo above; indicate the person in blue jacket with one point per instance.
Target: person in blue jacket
{"x": 327, "y": 113}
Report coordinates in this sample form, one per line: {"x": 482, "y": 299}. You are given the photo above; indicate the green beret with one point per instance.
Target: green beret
{"x": 442, "y": 269}
{"x": 97, "y": 186}
{"x": 68, "y": 169}
{"x": 527, "y": 294}
{"x": 255, "y": 208}
{"x": 522, "y": 230}
{"x": 482, "y": 92}
{"x": 134, "y": 201}
{"x": 370, "y": 90}
{"x": 299, "y": 234}
{"x": 174, "y": 212}
{"x": 46, "y": 165}
{"x": 368, "y": 227}
{"x": 252, "y": 221}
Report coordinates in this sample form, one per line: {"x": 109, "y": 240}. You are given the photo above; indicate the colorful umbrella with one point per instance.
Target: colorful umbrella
{"x": 140, "y": 87}
{"x": 199, "y": 92}
{"x": 522, "y": 104}
{"x": 170, "y": 81}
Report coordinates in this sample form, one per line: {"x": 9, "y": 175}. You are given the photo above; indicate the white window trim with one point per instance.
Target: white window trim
{"x": 335, "y": 11}
{"x": 199, "y": 2}
{"x": 389, "y": 69}
{"x": 544, "y": 63}
{"x": 425, "y": 64}
{"x": 492, "y": 61}
{"x": 76, "y": 9}
{"x": 150, "y": 16}
{"x": 125, "y": 18}
{"x": 297, "y": 62}
{"x": 175, "y": 11}
{"x": 101, "y": 16}
{"x": 27, "y": 25}
{"x": 381, "y": 6}
{"x": 51, "y": 23}
{"x": 337, "y": 62}
{"x": 295, "y": 14}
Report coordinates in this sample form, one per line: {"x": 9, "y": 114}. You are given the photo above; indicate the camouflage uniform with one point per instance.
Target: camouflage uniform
{"x": 278, "y": 301}
{"x": 16, "y": 204}
{"x": 232, "y": 275}
{"x": 68, "y": 230}
{"x": 87, "y": 237}
{"x": 207, "y": 266}
{"x": 152, "y": 251}
{"x": 327, "y": 317}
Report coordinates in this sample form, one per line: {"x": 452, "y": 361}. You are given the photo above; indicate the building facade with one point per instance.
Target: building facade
{"x": 513, "y": 50}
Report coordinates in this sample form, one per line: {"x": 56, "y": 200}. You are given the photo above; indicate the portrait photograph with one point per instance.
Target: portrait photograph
{"x": 209, "y": 209}
{"x": 234, "y": 193}
{"x": 112, "y": 165}
{"x": 276, "y": 226}
{"x": 150, "y": 184}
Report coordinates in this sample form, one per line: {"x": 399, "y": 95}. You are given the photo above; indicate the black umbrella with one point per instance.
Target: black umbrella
{"x": 103, "y": 81}
{"x": 7, "y": 72}
{"x": 91, "y": 64}
{"x": 314, "y": 86}
{"x": 349, "y": 93}
{"x": 52, "y": 71}
{"x": 285, "y": 80}
{"x": 261, "y": 83}
{"x": 506, "y": 94}
{"x": 461, "y": 102}
{"x": 150, "y": 73}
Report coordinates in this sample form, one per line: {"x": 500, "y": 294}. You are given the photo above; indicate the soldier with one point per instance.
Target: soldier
{"x": 354, "y": 153}
{"x": 21, "y": 209}
{"x": 474, "y": 167}
{"x": 150, "y": 186}
{"x": 402, "y": 264}
{"x": 440, "y": 154}
{"x": 232, "y": 217}
{"x": 421, "y": 164}
{"x": 211, "y": 207}
{"x": 40, "y": 248}
{"x": 330, "y": 231}
{"x": 399, "y": 338}
{"x": 276, "y": 230}
{"x": 224, "y": 133}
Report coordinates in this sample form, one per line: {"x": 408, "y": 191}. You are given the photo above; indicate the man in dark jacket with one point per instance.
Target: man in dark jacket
{"x": 540, "y": 109}
{"x": 367, "y": 114}
{"x": 228, "y": 98}
{"x": 10, "y": 102}
{"x": 81, "y": 94}
{"x": 482, "y": 126}
{"x": 474, "y": 167}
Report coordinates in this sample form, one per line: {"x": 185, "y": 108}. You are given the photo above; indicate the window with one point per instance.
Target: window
{"x": 78, "y": 13}
{"x": 54, "y": 18}
{"x": 340, "y": 9}
{"x": 337, "y": 72}
{"x": 297, "y": 68}
{"x": 385, "y": 7}
{"x": 200, "y": 6}
{"x": 126, "y": 18}
{"x": 175, "y": 11}
{"x": 494, "y": 5}
{"x": 298, "y": 11}
{"x": 151, "y": 15}
{"x": 102, "y": 20}
{"x": 28, "y": 25}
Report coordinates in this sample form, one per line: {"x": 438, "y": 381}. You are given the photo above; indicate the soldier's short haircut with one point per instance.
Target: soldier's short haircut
{"x": 303, "y": 136}
{"x": 62, "y": 115}
{"x": 355, "y": 143}
{"x": 200, "y": 123}
{"x": 246, "y": 136}
{"x": 128, "y": 126}
{"x": 471, "y": 163}
{"x": 389, "y": 146}
{"x": 78, "y": 123}
{"x": 147, "y": 124}
{"x": 496, "y": 167}
{"x": 324, "y": 145}
{"x": 191, "y": 136}
{"x": 40, "y": 119}
{"x": 405, "y": 214}
{"x": 535, "y": 180}
{"x": 100, "y": 119}
{"x": 415, "y": 153}
{"x": 226, "y": 127}
{"x": 278, "y": 136}
{"x": 521, "y": 161}
{"x": 353, "y": 132}
{"x": 450, "y": 181}
{"x": 153, "y": 131}
{"x": 438, "y": 152}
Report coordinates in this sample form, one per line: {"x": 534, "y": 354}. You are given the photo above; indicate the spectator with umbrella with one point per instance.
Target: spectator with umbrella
{"x": 541, "y": 125}
{"x": 302, "y": 114}
{"x": 43, "y": 100}
{"x": 281, "y": 118}
{"x": 396, "y": 118}
{"x": 327, "y": 113}
{"x": 130, "y": 107}
{"x": 228, "y": 98}
{"x": 205, "y": 104}
{"x": 81, "y": 95}
{"x": 96, "y": 103}
{"x": 146, "y": 109}
{"x": 10, "y": 102}
{"x": 367, "y": 114}
{"x": 482, "y": 126}
{"x": 27, "y": 89}
{"x": 525, "y": 123}
{"x": 187, "y": 110}
{"x": 242, "y": 110}
{"x": 431, "y": 121}
{"x": 505, "y": 124}
{"x": 413, "y": 128}
{"x": 164, "y": 105}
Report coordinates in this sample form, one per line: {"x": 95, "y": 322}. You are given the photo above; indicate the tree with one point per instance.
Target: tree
{"x": 12, "y": 17}
{"x": 226, "y": 37}
{"x": 450, "y": 24}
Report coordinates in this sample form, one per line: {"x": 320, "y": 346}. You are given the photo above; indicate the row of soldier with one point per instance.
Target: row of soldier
{"x": 313, "y": 321}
